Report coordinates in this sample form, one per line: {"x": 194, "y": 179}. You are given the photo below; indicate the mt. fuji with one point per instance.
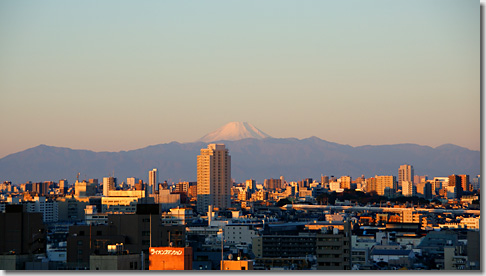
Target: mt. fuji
{"x": 234, "y": 131}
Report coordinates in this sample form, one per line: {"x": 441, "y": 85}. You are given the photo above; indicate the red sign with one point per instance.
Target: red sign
{"x": 170, "y": 258}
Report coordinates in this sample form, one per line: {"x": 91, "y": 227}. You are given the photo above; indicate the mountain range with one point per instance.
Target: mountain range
{"x": 254, "y": 155}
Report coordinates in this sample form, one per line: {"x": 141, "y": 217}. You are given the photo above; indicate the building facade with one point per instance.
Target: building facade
{"x": 213, "y": 178}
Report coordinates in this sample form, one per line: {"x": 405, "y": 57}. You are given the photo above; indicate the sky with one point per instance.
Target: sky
{"x": 119, "y": 75}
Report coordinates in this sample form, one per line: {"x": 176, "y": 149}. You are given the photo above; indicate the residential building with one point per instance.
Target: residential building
{"x": 333, "y": 248}
{"x": 405, "y": 173}
{"x": 346, "y": 182}
{"x": 213, "y": 178}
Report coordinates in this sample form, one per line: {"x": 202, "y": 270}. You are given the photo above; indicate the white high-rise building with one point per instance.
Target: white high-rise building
{"x": 405, "y": 173}
{"x": 213, "y": 178}
{"x": 153, "y": 181}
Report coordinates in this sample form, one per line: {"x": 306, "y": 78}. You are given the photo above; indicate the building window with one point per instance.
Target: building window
{"x": 80, "y": 242}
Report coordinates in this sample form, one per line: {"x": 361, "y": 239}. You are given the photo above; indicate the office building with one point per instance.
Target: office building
{"x": 213, "y": 178}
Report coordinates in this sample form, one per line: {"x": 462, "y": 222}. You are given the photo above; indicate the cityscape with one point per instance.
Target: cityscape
{"x": 400, "y": 221}
{"x": 367, "y": 155}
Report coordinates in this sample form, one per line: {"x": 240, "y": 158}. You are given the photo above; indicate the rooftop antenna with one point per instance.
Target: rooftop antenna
{"x": 77, "y": 177}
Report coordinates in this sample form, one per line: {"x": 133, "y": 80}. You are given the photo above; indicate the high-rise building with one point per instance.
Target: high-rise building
{"x": 251, "y": 185}
{"x": 346, "y": 182}
{"x": 153, "y": 181}
{"x": 63, "y": 185}
{"x": 408, "y": 189}
{"x": 272, "y": 184}
{"x": 213, "y": 178}
{"x": 131, "y": 181}
{"x": 405, "y": 173}
{"x": 325, "y": 181}
{"x": 464, "y": 182}
{"x": 40, "y": 188}
{"x": 384, "y": 182}
{"x": 456, "y": 181}
{"x": 109, "y": 184}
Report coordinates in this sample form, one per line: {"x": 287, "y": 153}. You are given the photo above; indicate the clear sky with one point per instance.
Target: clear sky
{"x": 120, "y": 75}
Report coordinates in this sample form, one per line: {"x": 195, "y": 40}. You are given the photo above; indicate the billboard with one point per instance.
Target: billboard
{"x": 170, "y": 258}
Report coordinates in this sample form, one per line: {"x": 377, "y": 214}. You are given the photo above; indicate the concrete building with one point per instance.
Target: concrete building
{"x": 333, "y": 248}
{"x": 123, "y": 201}
{"x": 85, "y": 240}
{"x": 170, "y": 258}
{"x": 21, "y": 232}
{"x": 84, "y": 189}
{"x": 424, "y": 189}
{"x": 284, "y": 246}
{"x": 456, "y": 181}
{"x": 131, "y": 182}
{"x": 121, "y": 261}
{"x": 346, "y": 182}
{"x": 405, "y": 173}
{"x": 383, "y": 182}
{"x": 109, "y": 184}
{"x": 181, "y": 215}
{"x": 250, "y": 185}
{"x": 465, "y": 182}
{"x": 153, "y": 181}
{"x": 408, "y": 189}
{"x": 272, "y": 184}
{"x": 63, "y": 186}
{"x": 239, "y": 233}
{"x": 47, "y": 207}
{"x": 167, "y": 200}
{"x": 213, "y": 178}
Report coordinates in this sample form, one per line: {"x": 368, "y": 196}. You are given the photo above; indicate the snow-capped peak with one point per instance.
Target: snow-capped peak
{"x": 234, "y": 131}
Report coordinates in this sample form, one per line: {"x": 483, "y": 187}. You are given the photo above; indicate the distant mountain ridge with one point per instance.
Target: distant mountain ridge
{"x": 258, "y": 159}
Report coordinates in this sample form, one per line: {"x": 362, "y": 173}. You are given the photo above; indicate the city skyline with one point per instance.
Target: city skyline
{"x": 109, "y": 77}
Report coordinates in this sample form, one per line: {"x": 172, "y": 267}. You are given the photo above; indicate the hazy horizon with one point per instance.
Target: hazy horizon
{"x": 123, "y": 75}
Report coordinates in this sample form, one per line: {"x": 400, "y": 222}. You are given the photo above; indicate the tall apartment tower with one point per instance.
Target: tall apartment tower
{"x": 153, "y": 181}
{"x": 213, "y": 178}
{"x": 405, "y": 173}
{"x": 405, "y": 179}
{"x": 109, "y": 184}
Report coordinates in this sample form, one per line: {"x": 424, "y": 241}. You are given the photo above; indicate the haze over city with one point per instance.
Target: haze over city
{"x": 121, "y": 75}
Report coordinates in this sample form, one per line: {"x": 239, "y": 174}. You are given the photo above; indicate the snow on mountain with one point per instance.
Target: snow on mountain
{"x": 234, "y": 131}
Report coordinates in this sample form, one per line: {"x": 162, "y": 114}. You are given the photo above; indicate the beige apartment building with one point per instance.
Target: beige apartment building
{"x": 213, "y": 178}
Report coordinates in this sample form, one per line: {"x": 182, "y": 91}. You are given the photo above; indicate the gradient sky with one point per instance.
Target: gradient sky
{"x": 120, "y": 75}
